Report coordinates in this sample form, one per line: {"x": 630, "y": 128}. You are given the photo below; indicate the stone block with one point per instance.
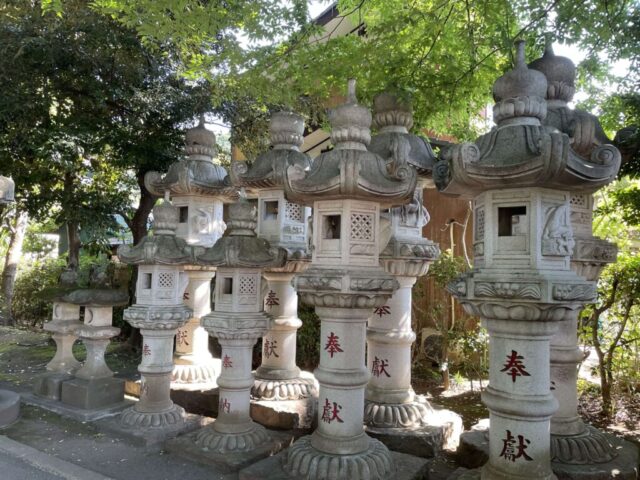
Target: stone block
{"x": 199, "y": 402}
{"x": 9, "y": 407}
{"x": 185, "y": 446}
{"x": 75, "y": 413}
{"x": 408, "y": 467}
{"x": 626, "y": 466}
{"x": 299, "y": 415}
{"x": 49, "y": 385}
{"x": 425, "y": 441}
{"x": 473, "y": 451}
{"x": 93, "y": 394}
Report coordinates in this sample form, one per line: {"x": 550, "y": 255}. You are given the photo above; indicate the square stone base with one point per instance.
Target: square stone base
{"x": 151, "y": 437}
{"x": 408, "y": 467}
{"x": 49, "y": 385}
{"x": 93, "y": 394}
{"x": 75, "y": 413}
{"x": 299, "y": 415}
{"x": 185, "y": 446}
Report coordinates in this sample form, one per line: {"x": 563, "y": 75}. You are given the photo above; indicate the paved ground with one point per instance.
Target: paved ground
{"x": 13, "y": 469}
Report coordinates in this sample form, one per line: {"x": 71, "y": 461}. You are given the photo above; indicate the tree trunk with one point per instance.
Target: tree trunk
{"x": 14, "y": 252}
{"x": 73, "y": 236}
{"x": 138, "y": 223}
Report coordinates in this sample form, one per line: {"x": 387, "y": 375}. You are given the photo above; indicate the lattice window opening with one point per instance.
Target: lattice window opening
{"x": 479, "y": 223}
{"x": 579, "y": 201}
{"x": 362, "y": 226}
{"x": 294, "y": 212}
{"x": 165, "y": 280}
{"x": 248, "y": 286}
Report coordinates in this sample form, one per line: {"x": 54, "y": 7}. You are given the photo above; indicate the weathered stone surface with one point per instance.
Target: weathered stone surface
{"x": 286, "y": 414}
{"x": 465, "y": 474}
{"x": 406, "y": 467}
{"x": 473, "y": 451}
{"x": 442, "y": 432}
{"x": 81, "y": 415}
{"x": 9, "y": 407}
{"x": 93, "y": 394}
{"x": 49, "y": 385}
{"x": 186, "y": 447}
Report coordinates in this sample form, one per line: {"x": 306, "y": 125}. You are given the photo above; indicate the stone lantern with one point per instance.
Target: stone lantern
{"x": 282, "y": 224}
{"x": 392, "y": 409}
{"x": 197, "y": 188}
{"x": 347, "y": 187}
{"x": 158, "y": 313}
{"x": 238, "y": 320}
{"x": 520, "y": 176}
{"x": 9, "y": 401}
{"x": 577, "y": 447}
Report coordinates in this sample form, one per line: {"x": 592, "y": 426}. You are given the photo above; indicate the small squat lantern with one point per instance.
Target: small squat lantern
{"x": 346, "y": 187}
{"x": 520, "y": 176}
{"x": 238, "y": 320}
{"x": 198, "y": 189}
{"x": 158, "y": 313}
{"x": 282, "y": 224}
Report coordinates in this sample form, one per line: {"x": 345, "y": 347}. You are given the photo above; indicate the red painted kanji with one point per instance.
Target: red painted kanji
{"x": 511, "y": 450}
{"x": 330, "y": 412}
{"x": 382, "y": 310}
{"x": 146, "y": 351}
{"x": 225, "y": 405}
{"x": 514, "y": 366}
{"x": 270, "y": 347}
{"x": 226, "y": 362}
{"x": 185, "y": 296}
{"x": 272, "y": 299}
{"x": 379, "y": 367}
{"x": 181, "y": 337}
{"x": 333, "y": 344}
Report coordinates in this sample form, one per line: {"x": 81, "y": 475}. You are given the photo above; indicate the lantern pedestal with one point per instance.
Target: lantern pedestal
{"x": 64, "y": 326}
{"x": 279, "y": 378}
{"x": 194, "y": 366}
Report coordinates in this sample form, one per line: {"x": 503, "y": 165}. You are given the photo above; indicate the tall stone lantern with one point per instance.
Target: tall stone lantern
{"x": 574, "y": 443}
{"x": 282, "y": 224}
{"x": 238, "y": 320}
{"x": 197, "y": 188}
{"x": 520, "y": 176}
{"x": 158, "y": 313}
{"x": 347, "y": 188}
{"x": 392, "y": 409}
{"x": 9, "y": 401}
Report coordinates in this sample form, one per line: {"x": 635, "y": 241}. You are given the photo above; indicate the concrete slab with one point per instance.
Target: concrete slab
{"x": 408, "y": 468}
{"x": 150, "y": 437}
{"x": 184, "y": 446}
{"x": 297, "y": 415}
{"x": 75, "y": 413}
{"x": 9, "y": 407}
{"x": 40, "y": 463}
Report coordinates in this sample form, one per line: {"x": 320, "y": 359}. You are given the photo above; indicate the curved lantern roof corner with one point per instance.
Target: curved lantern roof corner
{"x": 521, "y": 151}
{"x": 163, "y": 247}
{"x": 268, "y": 170}
{"x": 195, "y": 174}
{"x": 584, "y": 129}
{"x": 240, "y": 247}
{"x": 350, "y": 171}
{"x": 394, "y": 119}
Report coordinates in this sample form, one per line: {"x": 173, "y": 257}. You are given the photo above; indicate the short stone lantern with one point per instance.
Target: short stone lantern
{"x": 392, "y": 409}
{"x": 282, "y": 224}
{"x": 238, "y": 320}
{"x": 9, "y": 401}
{"x": 158, "y": 313}
{"x": 520, "y": 176}
{"x": 575, "y": 446}
{"x": 347, "y": 187}
{"x": 94, "y": 387}
{"x": 198, "y": 190}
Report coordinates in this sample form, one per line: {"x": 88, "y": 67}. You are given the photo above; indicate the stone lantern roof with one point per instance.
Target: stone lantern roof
{"x": 240, "y": 247}
{"x": 350, "y": 171}
{"x": 522, "y": 151}
{"x": 197, "y": 173}
{"x": 394, "y": 119}
{"x": 163, "y": 247}
{"x": 560, "y": 73}
{"x": 269, "y": 169}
